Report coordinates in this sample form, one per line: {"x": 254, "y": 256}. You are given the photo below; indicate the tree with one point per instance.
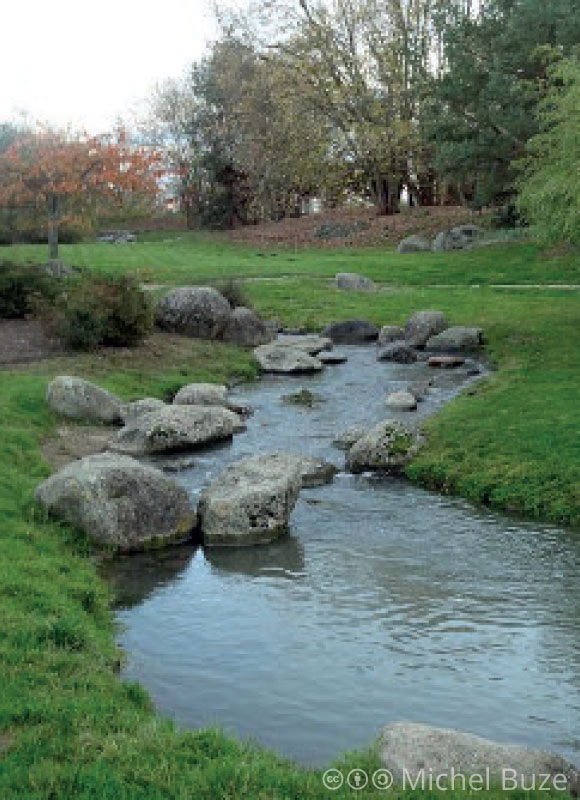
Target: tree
{"x": 481, "y": 109}
{"x": 550, "y": 185}
{"x": 61, "y": 174}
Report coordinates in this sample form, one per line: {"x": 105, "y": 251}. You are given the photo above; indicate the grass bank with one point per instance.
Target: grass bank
{"x": 68, "y": 727}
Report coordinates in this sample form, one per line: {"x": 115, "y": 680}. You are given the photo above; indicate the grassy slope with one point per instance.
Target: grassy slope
{"x": 78, "y": 732}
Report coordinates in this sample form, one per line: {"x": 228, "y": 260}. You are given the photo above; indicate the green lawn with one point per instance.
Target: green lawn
{"x": 68, "y": 727}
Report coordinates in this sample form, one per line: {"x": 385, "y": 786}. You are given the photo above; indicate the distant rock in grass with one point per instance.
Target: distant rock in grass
{"x": 354, "y": 331}
{"x": 75, "y": 398}
{"x": 414, "y": 244}
{"x": 456, "y": 339}
{"x": 119, "y": 502}
{"x": 459, "y": 238}
{"x": 351, "y": 281}
{"x": 423, "y": 325}
{"x": 198, "y": 311}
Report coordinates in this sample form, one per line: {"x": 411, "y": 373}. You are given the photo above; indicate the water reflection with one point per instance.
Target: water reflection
{"x": 283, "y": 558}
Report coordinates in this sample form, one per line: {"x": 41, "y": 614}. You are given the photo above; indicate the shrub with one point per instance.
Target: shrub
{"x": 22, "y": 286}
{"x": 105, "y": 310}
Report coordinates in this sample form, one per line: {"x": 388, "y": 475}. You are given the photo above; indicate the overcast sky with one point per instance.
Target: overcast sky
{"x": 66, "y": 61}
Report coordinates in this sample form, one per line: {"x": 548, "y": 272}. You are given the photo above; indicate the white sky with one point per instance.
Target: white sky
{"x": 88, "y": 63}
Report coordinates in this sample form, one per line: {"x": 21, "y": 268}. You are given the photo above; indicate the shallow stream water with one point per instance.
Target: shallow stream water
{"x": 385, "y": 602}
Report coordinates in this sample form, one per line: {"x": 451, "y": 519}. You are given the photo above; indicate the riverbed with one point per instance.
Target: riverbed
{"x": 385, "y": 602}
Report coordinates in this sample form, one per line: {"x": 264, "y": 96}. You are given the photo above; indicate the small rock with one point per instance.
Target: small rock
{"x": 316, "y": 472}
{"x": 414, "y": 244}
{"x": 355, "y": 331}
{"x": 445, "y": 362}
{"x": 351, "y": 281}
{"x": 419, "y": 390}
{"x": 390, "y": 333}
{"x": 399, "y": 352}
{"x": 78, "y": 399}
{"x": 402, "y": 401}
{"x": 303, "y": 397}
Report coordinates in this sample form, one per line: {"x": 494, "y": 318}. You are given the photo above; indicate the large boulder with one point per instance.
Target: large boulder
{"x": 399, "y": 352}
{"x": 310, "y": 343}
{"x": 410, "y": 750}
{"x": 423, "y": 325}
{"x": 198, "y": 311}
{"x": 118, "y": 502}
{"x": 175, "y": 428}
{"x": 456, "y": 339}
{"x": 202, "y": 394}
{"x": 414, "y": 244}
{"x": 451, "y": 240}
{"x": 352, "y": 281}
{"x": 76, "y": 398}
{"x": 388, "y": 446}
{"x": 251, "y": 501}
{"x": 246, "y": 329}
{"x": 135, "y": 409}
{"x": 283, "y": 359}
{"x": 390, "y": 333}
{"x": 354, "y": 331}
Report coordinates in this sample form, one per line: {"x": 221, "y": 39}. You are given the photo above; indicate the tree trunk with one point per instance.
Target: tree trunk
{"x": 53, "y": 224}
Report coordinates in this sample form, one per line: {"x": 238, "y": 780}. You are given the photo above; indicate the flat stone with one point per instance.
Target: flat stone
{"x": 402, "y": 401}
{"x": 445, "y": 362}
{"x": 309, "y": 343}
{"x": 286, "y": 360}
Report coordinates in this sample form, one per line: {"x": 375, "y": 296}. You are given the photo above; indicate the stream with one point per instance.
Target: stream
{"x": 385, "y": 602}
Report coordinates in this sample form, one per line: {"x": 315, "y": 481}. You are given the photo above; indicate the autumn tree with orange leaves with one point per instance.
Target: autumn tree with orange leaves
{"x": 59, "y": 174}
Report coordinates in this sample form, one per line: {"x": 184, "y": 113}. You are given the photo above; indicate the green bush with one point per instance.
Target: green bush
{"x": 22, "y": 287}
{"x": 105, "y": 310}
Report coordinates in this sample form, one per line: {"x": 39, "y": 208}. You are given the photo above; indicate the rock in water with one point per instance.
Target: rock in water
{"x": 409, "y": 750}
{"x": 175, "y": 428}
{"x": 398, "y": 352}
{"x": 246, "y": 329}
{"x": 310, "y": 343}
{"x": 402, "y": 401}
{"x": 284, "y": 359}
{"x": 346, "y": 439}
{"x": 354, "y": 331}
{"x": 456, "y": 339}
{"x": 198, "y": 311}
{"x": 414, "y": 244}
{"x": 202, "y": 394}
{"x": 423, "y": 325}
{"x": 131, "y": 411}
{"x": 390, "y": 333}
{"x": 76, "y": 398}
{"x": 388, "y": 446}
{"x": 251, "y": 501}
{"x": 351, "y": 281}
{"x": 118, "y": 502}
{"x": 445, "y": 362}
